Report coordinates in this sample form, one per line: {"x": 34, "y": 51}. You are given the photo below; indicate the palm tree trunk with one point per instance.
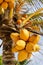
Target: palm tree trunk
{"x": 8, "y": 56}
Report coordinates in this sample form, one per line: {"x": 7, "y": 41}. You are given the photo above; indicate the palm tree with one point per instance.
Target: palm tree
{"x": 7, "y": 26}
{"x": 8, "y": 56}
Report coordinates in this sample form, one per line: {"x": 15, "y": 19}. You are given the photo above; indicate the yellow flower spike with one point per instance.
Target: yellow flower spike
{"x": 24, "y": 34}
{"x": 36, "y": 48}
{"x": 22, "y": 55}
{"x": 20, "y": 44}
{"x": 29, "y": 47}
{"x": 36, "y": 13}
{"x": 14, "y": 37}
{"x": 34, "y": 39}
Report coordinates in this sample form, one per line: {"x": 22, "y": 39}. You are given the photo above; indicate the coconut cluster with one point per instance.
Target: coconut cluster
{"x": 25, "y": 43}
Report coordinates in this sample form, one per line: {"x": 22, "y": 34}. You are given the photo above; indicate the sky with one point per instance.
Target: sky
{"x": 0, "y": 48}
{"x": 32, "y": 8}
{"x": 37, "y": 58}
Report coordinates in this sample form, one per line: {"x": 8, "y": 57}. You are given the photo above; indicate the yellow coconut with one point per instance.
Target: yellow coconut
{"x": 34, "y": 39}
{"x": 22, "y": 55}
{"x": 24, "y": 34}
{"x": 36, "y": 48}
{"x": 8, "y": 0}
{"x": 19, "y": 48}
{"x": 11, "y": 5}
{"x": 19, "y": 21}
{"x": 1, "y": 1}
{"x": 14, "y": 37}
{"x": 4, "y": 5}
{"x": 20, "y": 44}
{"x": 29, "y": 47}
{"x": 29, "y": 55}
{"x": 14, "y": 49}
{"x": 23, "y": 18}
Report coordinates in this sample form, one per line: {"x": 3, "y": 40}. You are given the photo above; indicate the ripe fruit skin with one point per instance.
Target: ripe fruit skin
{"x": 34, "y": 39}
{"x": 29, "y": 55}
{"x": 20, "y": 44}
{"x": 14, "y": 37}
{"x": 24, "y": 34}
{"x": 14, "y": 49}
{"x": 11, "y": 5}
{"x": 7, "y": 0}
{"x": 19, "y": 48}
{"x": 22, "y": 55}
{"x": 29, "y": 47}
{"x": 25, "y": 15}
{"x": 1, "y": 1}
{"x": 12, "y": 1}
{"x": 19, "y": 21}
{"x": 22, "y": 18}
{"x": 36, "y": 48}
{"x": 4, "y": 5}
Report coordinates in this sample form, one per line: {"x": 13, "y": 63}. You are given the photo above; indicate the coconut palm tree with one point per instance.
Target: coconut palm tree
{"x": 8, "y": 25}
{"x": 8, "y": 56}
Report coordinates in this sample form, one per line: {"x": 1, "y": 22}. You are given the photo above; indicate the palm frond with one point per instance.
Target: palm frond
{"x": 41, "y": 1}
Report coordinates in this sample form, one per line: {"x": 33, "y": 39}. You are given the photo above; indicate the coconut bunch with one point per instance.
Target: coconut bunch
{"x": 29, "y": 23}
{"x": 25, "y": 43}
{"x": 21, "y": 19}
